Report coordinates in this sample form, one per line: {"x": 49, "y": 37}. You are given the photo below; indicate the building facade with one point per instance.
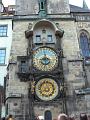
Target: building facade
{"x": 6, "y": 15}
{"x": 5, "y": 45}
{"x": 48, "y": 71}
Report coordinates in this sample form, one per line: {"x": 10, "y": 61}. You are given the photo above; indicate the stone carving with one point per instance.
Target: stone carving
{"x": 58, "y": 26}
{"x": 12, "y": 59}
{"x": 29, "y": 26}
{"x": 83, "y": 25}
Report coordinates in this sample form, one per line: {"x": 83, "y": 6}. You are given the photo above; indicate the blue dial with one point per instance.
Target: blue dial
{"x": 45, "y": 60}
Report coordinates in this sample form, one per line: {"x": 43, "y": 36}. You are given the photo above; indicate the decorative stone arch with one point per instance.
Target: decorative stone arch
{"x": 43, "y": 21}
{"x": 58, "y": 33}
{"x": 84, "y": 32}
{"x": 57, "y": 30}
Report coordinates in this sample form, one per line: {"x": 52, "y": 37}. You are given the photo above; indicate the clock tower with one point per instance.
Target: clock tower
{"x": 29, "y": 7}
{"x": 46, "y": 72}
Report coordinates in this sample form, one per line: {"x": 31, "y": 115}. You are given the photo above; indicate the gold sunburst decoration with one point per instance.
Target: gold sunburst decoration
{"x": 46, "y": 89}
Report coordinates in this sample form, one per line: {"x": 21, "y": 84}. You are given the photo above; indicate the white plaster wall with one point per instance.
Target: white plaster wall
{"x": 5, "y": 42}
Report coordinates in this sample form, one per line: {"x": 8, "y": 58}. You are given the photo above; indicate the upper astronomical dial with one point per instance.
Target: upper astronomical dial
{"x": 45, "y": 59}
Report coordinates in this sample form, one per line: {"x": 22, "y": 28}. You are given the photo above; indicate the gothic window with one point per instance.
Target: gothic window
{"x": 85, "y": 44}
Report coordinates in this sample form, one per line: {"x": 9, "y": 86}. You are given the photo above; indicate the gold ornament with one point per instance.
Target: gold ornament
{"x": 46, "y": 89}
{"x": 45, "y": 59}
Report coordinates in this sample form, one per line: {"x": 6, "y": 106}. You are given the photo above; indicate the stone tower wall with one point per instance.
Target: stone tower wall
{"x": 27, "y": 7}
{"x": 73, "y": 70}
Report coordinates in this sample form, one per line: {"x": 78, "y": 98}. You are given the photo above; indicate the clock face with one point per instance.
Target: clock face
{"x": 46, "y": 89}
{"x": 45, "y": 59}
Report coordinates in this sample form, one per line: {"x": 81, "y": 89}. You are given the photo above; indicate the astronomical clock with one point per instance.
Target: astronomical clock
{"x": 45, "y": 60}
{"x": 46, "y": 80}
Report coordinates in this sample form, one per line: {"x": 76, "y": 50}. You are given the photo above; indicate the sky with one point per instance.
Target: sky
{"x": 73, "y": 2}
{"x": 79, "y": 2}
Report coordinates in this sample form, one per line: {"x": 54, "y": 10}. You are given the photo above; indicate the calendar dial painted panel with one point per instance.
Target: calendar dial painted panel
{"x": 46, "y": 89}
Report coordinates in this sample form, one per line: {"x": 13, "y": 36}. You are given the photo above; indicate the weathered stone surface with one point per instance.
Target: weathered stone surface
{"x": 72, "y": 62}
{"x": 27, "y": 7}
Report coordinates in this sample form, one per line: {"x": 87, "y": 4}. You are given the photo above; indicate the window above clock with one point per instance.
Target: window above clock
{"x": 45, "y": 32}
{"x": 38, "y": 38}
{"x": 49, "y": 38}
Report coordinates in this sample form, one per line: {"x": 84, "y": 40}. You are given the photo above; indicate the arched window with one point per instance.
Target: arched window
{"x": 85, "y": 44}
